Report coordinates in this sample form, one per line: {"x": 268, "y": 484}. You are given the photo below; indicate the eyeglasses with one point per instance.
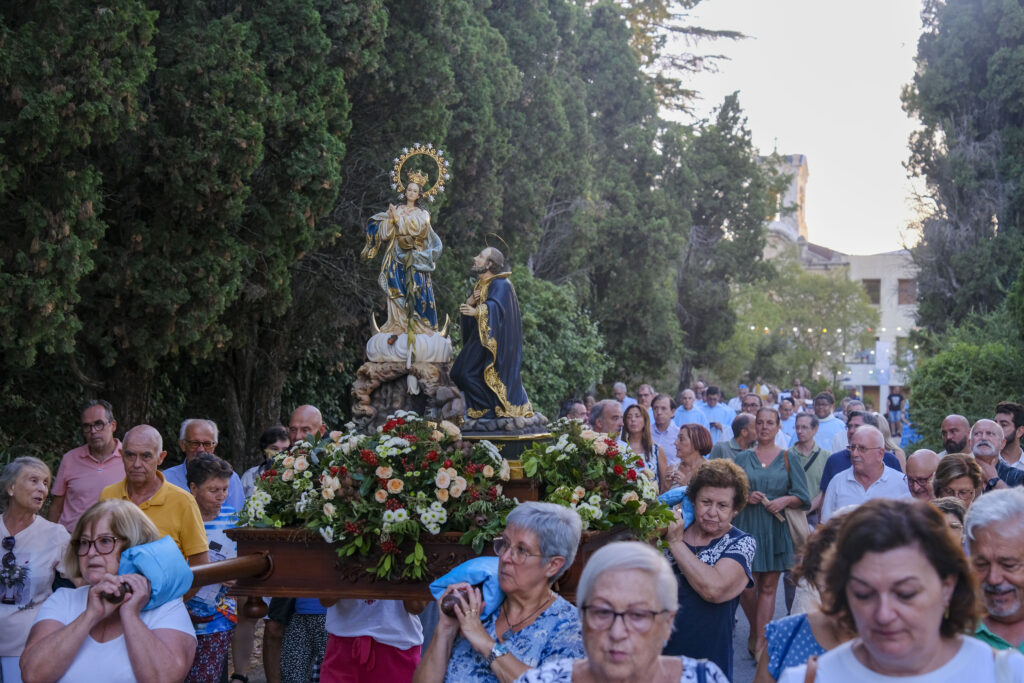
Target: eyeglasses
{"x": 517, "y": 553}
{"x": 855, "y": 448}
{"x": 918, "y": 481}
{"x": 602, "y": 618}
{"x": 96, "y": 426}
{"x": 962, "y": 494}
{"x": 104, "y": 545}
{"x": 8, "y": 545}
{"x": 197, "y": 444}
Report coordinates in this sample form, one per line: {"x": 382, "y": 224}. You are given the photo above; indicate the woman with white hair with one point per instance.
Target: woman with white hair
{"x": 533, "y": 624}
{"x": 627, "y": 600}
{"x": 32, "y": 550}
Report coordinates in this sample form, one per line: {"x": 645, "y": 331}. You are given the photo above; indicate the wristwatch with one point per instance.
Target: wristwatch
{"x": 992, "y": 483}
{"x": 498, "y": 650}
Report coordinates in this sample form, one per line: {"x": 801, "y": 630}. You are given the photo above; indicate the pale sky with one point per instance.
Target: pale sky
{"x": 823, "y": 79}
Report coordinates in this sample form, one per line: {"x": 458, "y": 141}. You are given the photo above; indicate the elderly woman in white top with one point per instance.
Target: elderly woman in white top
{"x": 32, "y": 549}
{"x": 99, "y": 632}
{"x": 627, "y": 598}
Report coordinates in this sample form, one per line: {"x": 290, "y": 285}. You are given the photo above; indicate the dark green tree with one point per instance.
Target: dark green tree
{"x": 968, "y": 93}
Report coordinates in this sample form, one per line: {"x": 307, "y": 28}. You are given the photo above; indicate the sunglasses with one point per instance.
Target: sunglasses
{"x": 8, "y": 545}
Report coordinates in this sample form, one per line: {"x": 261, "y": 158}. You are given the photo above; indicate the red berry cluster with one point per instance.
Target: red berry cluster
{"x": 393, "y": 504}
{"x": 268, "y": 475}
{"x": 432, "y": 456}
{"x": 631, "y": 475}
{"x": 411, "y": 438}
{"x": 389, "y": 547}
{"x": 338, "y": 471}
{"x": 354, "y": 528}
{"x": 369, "y": 457}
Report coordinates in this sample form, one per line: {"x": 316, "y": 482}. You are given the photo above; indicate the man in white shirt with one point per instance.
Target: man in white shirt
{"x": 719, "y": 415}
{"x": 828, "y": 424}
{"x": 867, "y": 478}
{"x": 736, "y": 402}
{"x": 619, "y": 390}
{"x": 688, "y": 412}
{"x": 787, "y": 419}
{"x": 664, "y": 430}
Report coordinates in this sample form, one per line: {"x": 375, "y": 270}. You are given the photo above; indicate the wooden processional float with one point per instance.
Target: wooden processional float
{"x": 299, "y": 563}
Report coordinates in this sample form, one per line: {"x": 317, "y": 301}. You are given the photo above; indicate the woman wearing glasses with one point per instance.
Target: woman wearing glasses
{"x": 627, "y": 597}
{"x": 91, "y": 633}
{"x": 959, "y": 476}
{"x": 533, "y": 623}
{"x": 32, "y": 550}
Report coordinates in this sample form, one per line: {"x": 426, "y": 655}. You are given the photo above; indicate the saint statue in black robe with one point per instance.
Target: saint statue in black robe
{"x": 487, "y": 369}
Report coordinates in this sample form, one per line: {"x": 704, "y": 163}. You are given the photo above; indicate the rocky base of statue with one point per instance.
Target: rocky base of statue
{"x": 381, "y": 389}
{"x": 509, "y": 426}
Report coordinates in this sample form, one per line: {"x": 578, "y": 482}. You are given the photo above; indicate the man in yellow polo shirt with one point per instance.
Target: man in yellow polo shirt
{"x": 172, "y": 510}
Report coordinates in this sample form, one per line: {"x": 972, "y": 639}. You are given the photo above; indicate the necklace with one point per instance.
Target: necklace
{"x": 513, "y": 627}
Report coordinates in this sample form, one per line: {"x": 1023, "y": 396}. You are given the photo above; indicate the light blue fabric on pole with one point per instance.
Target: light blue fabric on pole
{"x": 677, "y": 496}
{"x": 163, "y": 564}
{"x": 478, "y": 570}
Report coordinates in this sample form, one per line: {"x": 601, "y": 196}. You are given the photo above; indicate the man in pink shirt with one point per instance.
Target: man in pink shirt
{"x": 85, "y": 471}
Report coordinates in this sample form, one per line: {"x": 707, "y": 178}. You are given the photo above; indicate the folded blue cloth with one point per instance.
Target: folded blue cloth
{"x": 163, "y": 564}
{"x": 677, "y": 496}
{"x": 478, "y": 570}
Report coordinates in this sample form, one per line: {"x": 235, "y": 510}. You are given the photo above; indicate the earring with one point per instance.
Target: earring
{"x": 946, "y": 616}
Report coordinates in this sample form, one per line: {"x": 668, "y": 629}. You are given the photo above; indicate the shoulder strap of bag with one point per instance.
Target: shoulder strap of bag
{"x": 812, "y": 669}
{"x": 810, "y": 462}
{"x": 702, "y": 671}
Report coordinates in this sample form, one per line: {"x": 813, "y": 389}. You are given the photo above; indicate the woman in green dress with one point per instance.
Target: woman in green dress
{"x": 774, "y": 486}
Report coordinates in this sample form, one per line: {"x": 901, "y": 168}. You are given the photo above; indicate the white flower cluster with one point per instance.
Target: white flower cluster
{"x": 304, "y": 500}
{"x": 433, "y": 517}
{"x": 391, "y": 446}
{"x": 492, "y": 451}
{"x": 589, "y": 511}
{"x": 395, "y": 517}
{"x": 256, "y": 506}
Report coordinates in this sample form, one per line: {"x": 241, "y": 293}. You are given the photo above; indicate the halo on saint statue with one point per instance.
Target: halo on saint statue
{"x": 419, "y": 177}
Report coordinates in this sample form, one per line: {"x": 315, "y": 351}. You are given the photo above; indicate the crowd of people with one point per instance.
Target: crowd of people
{"x": 893, "y": 565}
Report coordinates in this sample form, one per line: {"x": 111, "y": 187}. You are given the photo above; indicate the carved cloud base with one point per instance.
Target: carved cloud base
{"x": 381, "y": 389}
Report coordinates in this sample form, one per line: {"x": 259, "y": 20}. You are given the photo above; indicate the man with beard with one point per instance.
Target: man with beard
{"x": 955, "y": 434}
{"x": 487, "y": 369}
{"x": 996, "y": 539}
{"x": 986, "y": 442}
{"x": 1010, "y": 417}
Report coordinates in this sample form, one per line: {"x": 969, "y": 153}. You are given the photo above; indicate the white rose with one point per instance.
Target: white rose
{"x": 442, "y": 495}
{"x": 336, "y": 436}
{"x": 383, "y": 472}
{"x": 506, "y": 471}
{"x": 301, "y": 464}
{"x": 450, "y": 429}
{"x": 287, "y": 475}
{"x": 328, "y": 494}
{"x": 590, "y": 435}
{"x": 488, "y": 471}
{"x": 288, "y": 461}
{"x": 329, "y": 509}
{"x": 442, "y": 480}
{"x": 601, "y": 447}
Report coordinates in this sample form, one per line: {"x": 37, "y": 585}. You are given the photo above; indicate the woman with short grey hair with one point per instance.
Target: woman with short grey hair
{"x": 627, "y": 600}
{"x": 32, "y": 551}
{"x": 532, "y": 625}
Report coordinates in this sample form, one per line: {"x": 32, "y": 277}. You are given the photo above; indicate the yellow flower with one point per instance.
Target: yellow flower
{"x": 383, "y": 472}
{"x": 395, "y": 485}
{"x": 442, "y": 495}
{"x": 436, "y": 435}
{"x": 442, "y": 480}
{"x": 381, "y": 495}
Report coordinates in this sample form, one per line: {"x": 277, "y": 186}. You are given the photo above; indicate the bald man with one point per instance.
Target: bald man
{"x": 956, "y": 432}
{"x": 306, "y": 420}
{"x": 868, "y": 477}
{"x": 921, "y": 466}
{"x": 172, "y": 510}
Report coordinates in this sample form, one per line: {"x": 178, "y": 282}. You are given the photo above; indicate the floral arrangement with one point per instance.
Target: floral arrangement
{"x": 375, "y": 495}
{"x": 602, "y": 479}
{"x": 13, "y": 575}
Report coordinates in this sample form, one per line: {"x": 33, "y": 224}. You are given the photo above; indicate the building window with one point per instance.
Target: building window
{"x": 907, "y": 292}
{"x": 874, "y": 290}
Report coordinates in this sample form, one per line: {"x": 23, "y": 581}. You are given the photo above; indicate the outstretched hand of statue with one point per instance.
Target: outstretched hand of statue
{"x": 466, "y": 309}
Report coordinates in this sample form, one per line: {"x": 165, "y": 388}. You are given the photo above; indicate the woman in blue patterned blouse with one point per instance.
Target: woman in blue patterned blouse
{"x": 533, "y": 623}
